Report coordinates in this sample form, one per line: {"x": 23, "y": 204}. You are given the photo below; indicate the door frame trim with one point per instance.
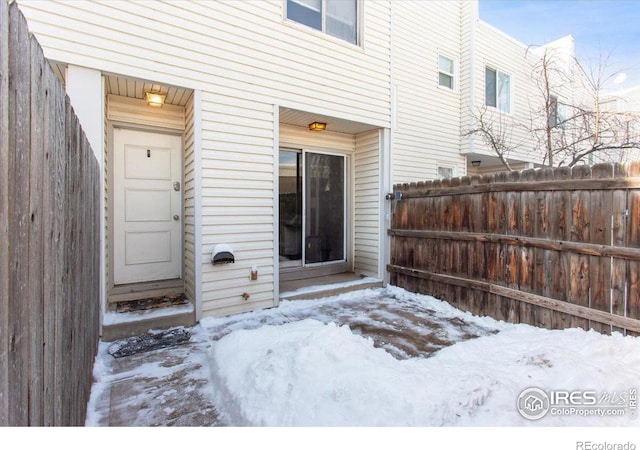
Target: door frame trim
{"x": 110, "y": 175}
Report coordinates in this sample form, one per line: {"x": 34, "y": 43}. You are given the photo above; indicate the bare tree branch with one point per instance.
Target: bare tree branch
{"x": 495, "y": 133}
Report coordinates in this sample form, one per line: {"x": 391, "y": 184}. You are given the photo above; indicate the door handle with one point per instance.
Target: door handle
{"x": 176, "y": 186}
{"x": 176, "y": 217}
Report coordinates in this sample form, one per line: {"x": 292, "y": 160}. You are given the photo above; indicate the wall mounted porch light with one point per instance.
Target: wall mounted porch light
{"x": 475, "y": 163}
{"x": 317, "y": 126}
{"x": 155, "y": 98}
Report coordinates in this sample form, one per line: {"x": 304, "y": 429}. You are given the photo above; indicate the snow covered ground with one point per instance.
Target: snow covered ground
{"x": 314, "y": 372}
{"x": 381, "y": 357}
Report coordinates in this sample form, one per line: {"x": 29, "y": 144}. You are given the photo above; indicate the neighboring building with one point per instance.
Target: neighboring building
{"x": 625, "y": 100}
{"x": 230, "y": 161}
{"x": 537, "y": 100}
{"x": 625, "y": 106}
{"x": 510, "y": 94}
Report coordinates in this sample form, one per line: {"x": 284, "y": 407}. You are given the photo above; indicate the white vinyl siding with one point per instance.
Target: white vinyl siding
{"x": 428, "y": 117}
{"x": 242, "y": 49}
{"x": 468, "y": 22}
{"x": 237, "y": 203}
{"x": 367, "y": 204}
{"x": 244, "y": 58}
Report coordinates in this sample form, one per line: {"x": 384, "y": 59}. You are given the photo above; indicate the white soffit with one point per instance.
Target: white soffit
{"x": 132, "y": 87}
{"x": 299, "y": 118}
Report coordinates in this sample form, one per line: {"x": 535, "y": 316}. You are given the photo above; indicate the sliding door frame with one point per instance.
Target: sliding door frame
{"x": 310, "y": 270}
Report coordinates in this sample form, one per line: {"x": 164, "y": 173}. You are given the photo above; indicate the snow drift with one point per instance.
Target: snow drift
{"x": 309, "y": 373}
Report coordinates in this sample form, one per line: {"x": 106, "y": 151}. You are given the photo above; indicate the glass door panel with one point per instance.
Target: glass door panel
{"x": 324, "y": 207}
{"x": 290, "y": 185}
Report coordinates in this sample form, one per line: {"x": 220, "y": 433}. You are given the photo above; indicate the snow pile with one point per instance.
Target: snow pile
{"x": 309, "y": 373}
{"x": 404, "y": 324}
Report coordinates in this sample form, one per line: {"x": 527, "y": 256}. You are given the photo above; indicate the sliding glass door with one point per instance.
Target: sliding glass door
{"x": 312, "y": 208}
{"x": 324, "y": 207}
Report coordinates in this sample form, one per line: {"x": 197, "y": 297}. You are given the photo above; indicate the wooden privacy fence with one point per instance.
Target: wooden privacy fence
{"x": 556, "y": 248}
{"x": 49, "y": 240}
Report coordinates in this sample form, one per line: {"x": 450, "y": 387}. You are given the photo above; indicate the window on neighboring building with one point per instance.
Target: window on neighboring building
{"x": 557, "y": 113}
{"x": 446, "y": 72}
{"x": 632, "y": 133}
{"x": 553, "y": 111}
{"x": 335, "y": 17}
{"x": 497, "y": 88}
{"x": 445, "y": 172}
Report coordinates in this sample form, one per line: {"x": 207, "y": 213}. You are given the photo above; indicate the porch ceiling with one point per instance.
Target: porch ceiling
{"x": 491, "y": 163}
{"x": 299, "y": 118}
{"x": 485, "y": 160}
{"x": 132, "y": 87}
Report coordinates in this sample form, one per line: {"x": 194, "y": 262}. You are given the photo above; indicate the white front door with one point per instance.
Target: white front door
{"x": 147, "y": 203}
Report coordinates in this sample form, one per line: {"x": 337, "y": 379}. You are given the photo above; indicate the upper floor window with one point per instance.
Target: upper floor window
{"x": 497, "y": 89}
{"x": 335, "y": 17}
{"x": 446, "y": 72}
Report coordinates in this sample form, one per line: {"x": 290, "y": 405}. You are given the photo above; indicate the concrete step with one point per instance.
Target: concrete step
{"x": 137, "y": 291}
{"x": 312, "y": 291}
{"x": 120, "y": 325}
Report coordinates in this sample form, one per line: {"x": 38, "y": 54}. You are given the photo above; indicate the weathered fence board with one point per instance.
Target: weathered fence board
{"x": 19, "y": 135}
{"x": 49, "y": 246}
{"x": 36, "y": 239}
{"x": 581, "y": 248}
{"x": 555, "y": 248}
{"x": 4, "y": 211}
{"x": 580, "y": 279}
{"x": 633, "y": 240}
{"x": 52, "y": 178}
{"x": 600, "y": 225}
{"x": 618, "y": 266}
{"x": 561, "y": 230}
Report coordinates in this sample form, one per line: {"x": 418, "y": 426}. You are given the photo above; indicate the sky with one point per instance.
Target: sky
{"x": 600, "y": 27}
